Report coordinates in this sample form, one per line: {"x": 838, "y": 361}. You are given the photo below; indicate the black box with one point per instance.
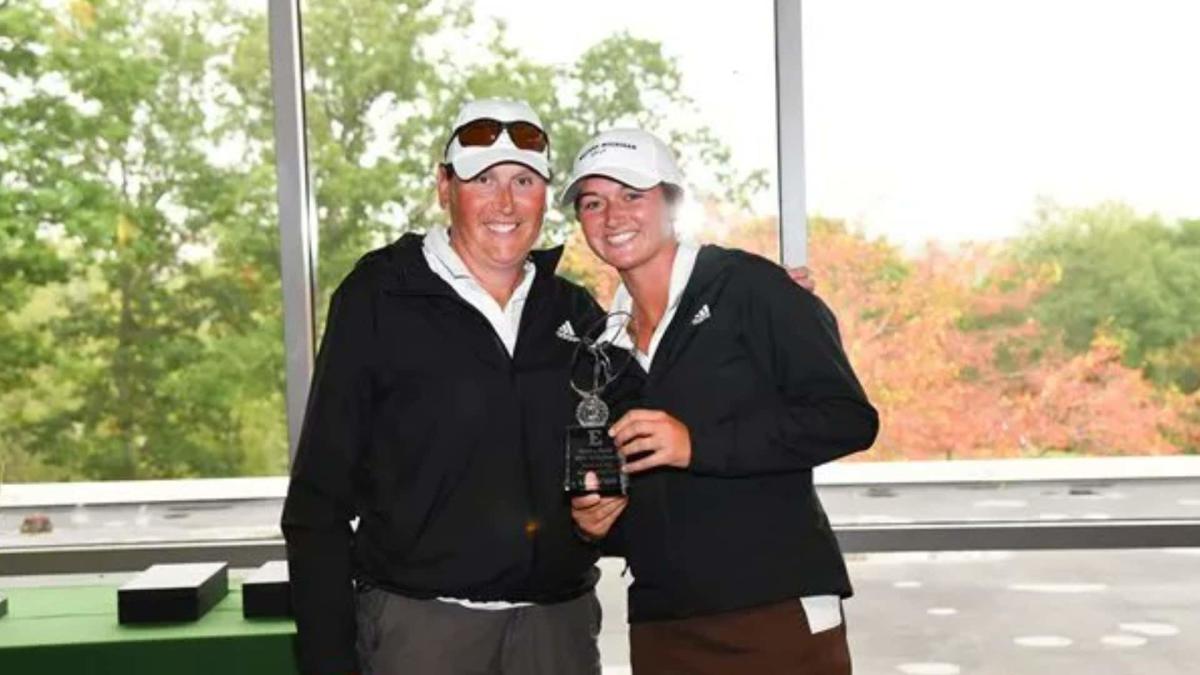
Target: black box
{"x": 3, "y": 605}
{"x": 172, "y": 593}
{"x": 267, "y": 593}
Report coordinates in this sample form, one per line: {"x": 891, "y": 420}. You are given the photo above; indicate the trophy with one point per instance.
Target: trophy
{"x": 593, "y": 463}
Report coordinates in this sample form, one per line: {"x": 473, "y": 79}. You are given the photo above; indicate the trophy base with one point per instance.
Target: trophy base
{"x": 589, "y": 449}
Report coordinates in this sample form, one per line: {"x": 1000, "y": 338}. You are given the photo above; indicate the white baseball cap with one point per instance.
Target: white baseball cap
{"x": 631, "y": 156}
{"x": 469, "y": 161}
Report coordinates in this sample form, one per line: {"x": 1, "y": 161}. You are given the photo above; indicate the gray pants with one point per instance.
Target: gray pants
{"x": 403, "y": 636}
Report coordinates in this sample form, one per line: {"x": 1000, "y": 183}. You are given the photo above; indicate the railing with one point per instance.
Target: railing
{"x": 896, "y": 533}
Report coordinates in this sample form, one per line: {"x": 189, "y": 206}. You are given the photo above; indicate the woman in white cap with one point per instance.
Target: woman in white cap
{"x": 735, "y": 567}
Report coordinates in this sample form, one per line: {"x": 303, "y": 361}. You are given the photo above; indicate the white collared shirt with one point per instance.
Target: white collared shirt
{"x": 446, "y": 263}
{"x": 823, "y": 612}
{"x": 681, "y": 272}
{"x": 506, "y": 321}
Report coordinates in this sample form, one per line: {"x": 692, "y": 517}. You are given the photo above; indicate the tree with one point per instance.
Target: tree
{"x": 141, "y": 334}
{"x": 27, "y": 263}
{"x": 952, "y": 353}
{"x": 1132, "y": 278}
{"x": 109, "y": 162}
{"x": 381, "y": 87}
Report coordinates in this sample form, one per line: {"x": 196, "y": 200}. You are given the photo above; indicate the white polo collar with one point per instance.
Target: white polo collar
{"x": 681, "y": 273}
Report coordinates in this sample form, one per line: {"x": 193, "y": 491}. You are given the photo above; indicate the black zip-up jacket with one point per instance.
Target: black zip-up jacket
{"x": 449, "y": 452}
{"x": 762, "y": 383}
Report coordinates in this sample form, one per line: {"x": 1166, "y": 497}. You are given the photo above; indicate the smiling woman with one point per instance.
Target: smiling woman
{"x": 625, "y": 189}
{"x": 492, "y": 186}
{"x": 495, "y": 217}
{"x": 716, "y": 453}
{"x": 624, "y": 225}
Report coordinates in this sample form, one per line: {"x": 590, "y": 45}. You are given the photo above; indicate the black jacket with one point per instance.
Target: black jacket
{"x": 767, "y": 393}
{"x": 448, "y": 451}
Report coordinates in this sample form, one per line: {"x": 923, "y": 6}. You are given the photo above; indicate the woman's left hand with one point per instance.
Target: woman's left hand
{"x": 656, "y": 438}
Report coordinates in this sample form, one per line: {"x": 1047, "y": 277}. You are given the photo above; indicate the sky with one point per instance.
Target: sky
{"x": 942, "y": 120}
{"x": 934, "y": 119}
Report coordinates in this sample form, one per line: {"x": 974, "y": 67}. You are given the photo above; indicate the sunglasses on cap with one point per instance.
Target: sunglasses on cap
{"x": 484, "y": 132}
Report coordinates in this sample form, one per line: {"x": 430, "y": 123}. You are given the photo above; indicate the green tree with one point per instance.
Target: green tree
{"x": 1129, "y": 275}
{"x": 27, "y": 263}
{"x": 110, "y": 136}
{"x": 141, "y": 334}
{"x": 381, "y": 87}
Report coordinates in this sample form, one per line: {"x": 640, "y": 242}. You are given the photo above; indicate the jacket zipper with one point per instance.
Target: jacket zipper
{"x": 510, "y": 366}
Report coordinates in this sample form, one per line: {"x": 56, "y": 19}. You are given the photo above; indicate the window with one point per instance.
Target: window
{"x": 142, "y": 333}
{"x": 1003, "y": 212}
{"x": 384, "y": 80}
{"x": 140, "y": 323}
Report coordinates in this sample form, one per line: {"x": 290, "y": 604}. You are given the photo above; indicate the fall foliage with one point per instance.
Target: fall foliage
{"x": 952, "y": 353}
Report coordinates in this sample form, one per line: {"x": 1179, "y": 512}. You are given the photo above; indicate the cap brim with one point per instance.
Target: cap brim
{"x": 634, "y": 179}
{"x": 468, "y": 165}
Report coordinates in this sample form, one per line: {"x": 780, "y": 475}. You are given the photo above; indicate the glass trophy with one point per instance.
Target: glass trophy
{"x": 593, "y": 463}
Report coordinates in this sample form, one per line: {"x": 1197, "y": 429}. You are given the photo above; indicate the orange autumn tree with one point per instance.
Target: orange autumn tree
{"x": 947, "y": 346}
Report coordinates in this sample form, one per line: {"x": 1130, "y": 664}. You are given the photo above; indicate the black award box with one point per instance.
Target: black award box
{"x": 169, "y": 593}
{"x": 266, "y": 593}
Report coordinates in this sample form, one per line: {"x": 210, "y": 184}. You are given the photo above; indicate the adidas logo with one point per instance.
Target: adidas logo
{"x": 701, "y": 316}
{"x": 566, "y": 332}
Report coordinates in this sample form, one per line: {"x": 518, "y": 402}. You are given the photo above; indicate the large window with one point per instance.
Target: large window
{"x": 383, "y": 81}
{"x": 140, "y": 323}
{"x": 1004, "y": 212}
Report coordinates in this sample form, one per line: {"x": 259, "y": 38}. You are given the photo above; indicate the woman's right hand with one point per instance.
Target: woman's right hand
{"x": 594, "y": 515}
